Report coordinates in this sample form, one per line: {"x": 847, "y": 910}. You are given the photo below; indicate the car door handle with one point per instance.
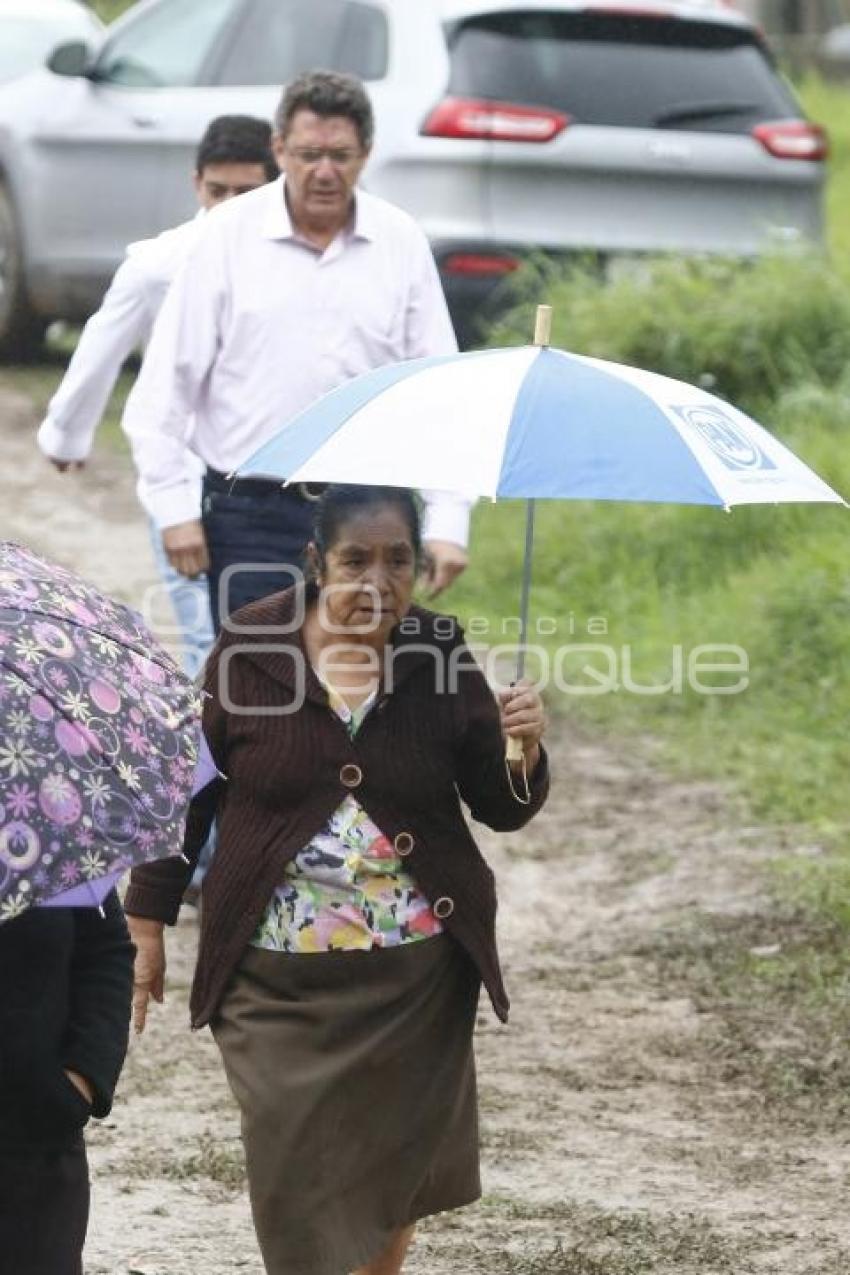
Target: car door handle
{"x": 145, "y": 121}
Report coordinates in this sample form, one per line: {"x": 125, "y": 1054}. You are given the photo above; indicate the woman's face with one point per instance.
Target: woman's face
{"x": 369, "y": 573}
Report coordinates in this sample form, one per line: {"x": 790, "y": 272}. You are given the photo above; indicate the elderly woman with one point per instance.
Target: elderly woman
{"x": 348, "y": 918}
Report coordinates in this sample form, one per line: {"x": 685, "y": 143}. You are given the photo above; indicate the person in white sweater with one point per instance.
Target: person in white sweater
{"x": 233, "y": 157}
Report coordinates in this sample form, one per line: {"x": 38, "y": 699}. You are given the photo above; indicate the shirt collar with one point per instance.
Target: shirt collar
{"x": 277, "y": 223}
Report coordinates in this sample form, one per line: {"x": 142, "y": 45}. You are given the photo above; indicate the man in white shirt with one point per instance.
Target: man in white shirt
{"x": 288, "y": 293}
{"x": 233, "y": 157}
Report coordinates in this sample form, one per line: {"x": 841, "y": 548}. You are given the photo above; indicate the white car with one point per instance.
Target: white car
{"x": 31, "y": 29}
{"x": 504, "y": 126}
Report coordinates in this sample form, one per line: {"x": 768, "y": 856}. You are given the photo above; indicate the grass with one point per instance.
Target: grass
{"x": 773, "y": 581}
{"x": 625, "y": 596}
{"x": 562, "y": 1237}
{"x": 39, "y": 381}
{"x": 108, "y": 10}
{"x": 776, "y": 988}
{"x": 829, "y": 104}
{"x": 213, "y": 1159}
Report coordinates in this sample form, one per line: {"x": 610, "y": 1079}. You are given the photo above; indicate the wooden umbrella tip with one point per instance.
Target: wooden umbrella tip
{"x": 543, "y": 325}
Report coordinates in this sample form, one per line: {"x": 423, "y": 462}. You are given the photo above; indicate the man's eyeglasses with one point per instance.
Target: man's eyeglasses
{"x": 340, "y": 156}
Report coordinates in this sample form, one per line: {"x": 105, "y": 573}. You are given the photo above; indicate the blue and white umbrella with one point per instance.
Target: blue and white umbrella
{"x": 537, "y": 423}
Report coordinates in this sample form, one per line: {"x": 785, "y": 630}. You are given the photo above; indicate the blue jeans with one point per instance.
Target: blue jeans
{"x": 259, "y": 530}
{"x": 190, "y": 602}
{"x": 191, "y": 605}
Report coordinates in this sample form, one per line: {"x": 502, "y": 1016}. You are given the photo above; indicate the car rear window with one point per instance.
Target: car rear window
{"x": 276, "y": 39}
{"x": 615, "y": 69}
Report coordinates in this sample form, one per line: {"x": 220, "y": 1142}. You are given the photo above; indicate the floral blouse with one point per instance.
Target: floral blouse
{"x": 346, "y": 890}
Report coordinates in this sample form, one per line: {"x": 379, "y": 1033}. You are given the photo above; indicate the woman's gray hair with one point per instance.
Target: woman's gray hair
{"x": 327, "y": 93}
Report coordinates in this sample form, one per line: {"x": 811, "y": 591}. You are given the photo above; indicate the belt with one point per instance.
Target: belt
{"x": 306, "y": 493}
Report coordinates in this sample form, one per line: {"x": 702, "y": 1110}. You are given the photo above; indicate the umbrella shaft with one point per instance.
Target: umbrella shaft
{"x": 526, "y": 588}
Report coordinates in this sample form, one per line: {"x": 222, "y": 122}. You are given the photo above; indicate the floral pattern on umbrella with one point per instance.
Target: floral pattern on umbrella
{"x": 99, "y": 738}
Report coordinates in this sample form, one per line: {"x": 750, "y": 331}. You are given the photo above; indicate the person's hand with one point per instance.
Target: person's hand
{"x": 65, "y": 465}
{"x": 149, "y": 968}
{"x": 186, "y": 548}
{"x": 443, "y": 563}
{"x": 83, "y": 1086}
{"x": 523, "y": 718}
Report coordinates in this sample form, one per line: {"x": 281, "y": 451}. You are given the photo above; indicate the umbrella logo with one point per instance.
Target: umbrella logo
{"x": 729, "y": 442}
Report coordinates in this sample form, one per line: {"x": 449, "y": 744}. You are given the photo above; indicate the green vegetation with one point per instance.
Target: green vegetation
{"x": 774, "y": 338}
{"x": 222, "y": 1162}
{"x": 108, "y": 10}
{"x": 585, "y": 1240}
{"x": 38, "y": 381}
{"x": 829, "y": 104}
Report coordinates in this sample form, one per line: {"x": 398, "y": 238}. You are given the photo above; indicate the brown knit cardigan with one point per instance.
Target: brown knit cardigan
{"x": 423, "y": 748}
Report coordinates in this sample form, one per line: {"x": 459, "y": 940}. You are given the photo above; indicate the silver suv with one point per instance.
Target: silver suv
{"x": 504, "y": 126}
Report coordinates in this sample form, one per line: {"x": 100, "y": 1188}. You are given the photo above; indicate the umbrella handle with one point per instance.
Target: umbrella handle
{"x": 513, "y": 753}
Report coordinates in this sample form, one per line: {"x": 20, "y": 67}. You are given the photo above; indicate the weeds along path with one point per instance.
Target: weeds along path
{"x": 647, "y": 1109}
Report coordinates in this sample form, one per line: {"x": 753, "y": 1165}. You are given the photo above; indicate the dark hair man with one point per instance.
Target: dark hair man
{"x": 290, "y": 292}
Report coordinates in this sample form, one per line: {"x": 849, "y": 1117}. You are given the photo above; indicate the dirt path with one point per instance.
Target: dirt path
{"x": 620, "y": 1135}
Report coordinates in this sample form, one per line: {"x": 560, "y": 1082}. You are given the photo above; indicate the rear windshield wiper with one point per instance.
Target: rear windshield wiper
{"x": 701, "y": 111}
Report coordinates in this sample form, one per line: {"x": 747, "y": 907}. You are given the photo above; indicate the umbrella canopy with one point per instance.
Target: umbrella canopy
{"x": 537, "y": 422}
{"x": 99, "y": 738}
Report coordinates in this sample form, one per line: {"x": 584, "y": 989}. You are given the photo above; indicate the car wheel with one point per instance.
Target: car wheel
{"x": 21, "y": 330}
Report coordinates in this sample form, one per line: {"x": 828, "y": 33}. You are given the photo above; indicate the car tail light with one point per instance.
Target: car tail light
{"x": 479, "y": 263}
{"x": 793, "y": 139}
{"x": 493, "y": 121}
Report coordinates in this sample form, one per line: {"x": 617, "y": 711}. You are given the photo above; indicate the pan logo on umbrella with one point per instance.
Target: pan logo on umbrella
{"x": 725, "y": 438}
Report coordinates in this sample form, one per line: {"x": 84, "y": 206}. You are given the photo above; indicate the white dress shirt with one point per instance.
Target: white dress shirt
{"x": 259, "y": 324}
{"x": 122, "y": 324}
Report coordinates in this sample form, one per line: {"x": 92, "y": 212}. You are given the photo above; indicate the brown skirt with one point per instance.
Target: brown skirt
{"x": 355, "y": 1077}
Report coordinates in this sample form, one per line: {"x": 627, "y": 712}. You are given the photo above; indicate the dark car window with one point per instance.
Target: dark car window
{"x": 167, "y": 46}
{"x": 278, "y": 38}
{"x": 606, "y": 68}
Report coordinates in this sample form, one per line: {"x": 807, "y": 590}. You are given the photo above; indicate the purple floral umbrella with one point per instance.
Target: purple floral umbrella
{"x": 99, "y": 739}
